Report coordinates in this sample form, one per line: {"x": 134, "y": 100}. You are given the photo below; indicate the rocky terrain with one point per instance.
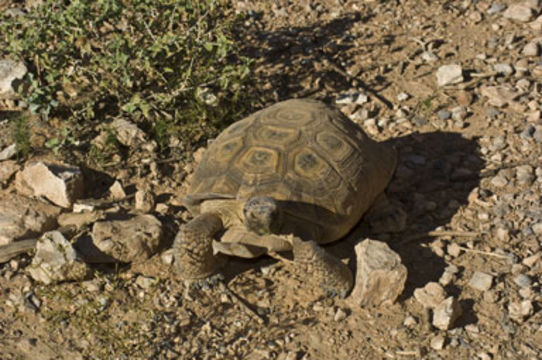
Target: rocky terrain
{"x": 453, "y": 85}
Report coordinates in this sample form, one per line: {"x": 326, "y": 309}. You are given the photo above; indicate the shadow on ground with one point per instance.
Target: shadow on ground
{"x": 436, "y": 173}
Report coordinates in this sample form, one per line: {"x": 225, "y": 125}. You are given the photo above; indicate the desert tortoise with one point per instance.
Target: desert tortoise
{"x": 289, "y": 177}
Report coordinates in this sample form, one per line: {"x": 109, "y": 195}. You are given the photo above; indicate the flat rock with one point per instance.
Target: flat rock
{"x": 9, "y": 71}
{"x": 520, "y": 310}
{"x": 446, "y": 313}
{"x": 499, "y": 96}
{"x": 21, "y": 218}
{"x": 60, "y": 184}
{"x": 132, "y": 240}
{"x": 380, "y": 277}
{"x": 449, "y": 74}
{"x": 79, "y": 220}
{"x": 481, "y": 281}
{"x": 56, "y": 260}
{"x": 519, "y": 12}
{"x": 430, "y": 295}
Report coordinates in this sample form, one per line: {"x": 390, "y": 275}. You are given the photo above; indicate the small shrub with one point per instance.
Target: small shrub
{"x": 170, "y": 64}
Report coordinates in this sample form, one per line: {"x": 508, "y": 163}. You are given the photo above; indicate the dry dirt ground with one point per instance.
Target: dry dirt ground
{"x": 474, "y": 180}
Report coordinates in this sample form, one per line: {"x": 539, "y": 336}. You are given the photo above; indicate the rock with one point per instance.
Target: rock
{"x": 8, "y": 152}
{"x": 437, "y": 343}
{"x": 532, "y": 260}
{"x": 145, "y": 282}
{"x": 499, "y": 96}
{"x": 56, "y": 260}
{"x": 7, "y": 169}
{"x": 444, "y": 114}
{"x": 446, "y": 313}
{"x": 380, "y": 277}
{"x": 144, "y": 200}
{"x": 519, "y": 12}
{"x": 60, "y": 184}
{"x": 525, "y": 175}
{"x": 10, "y": 71}
{"x": 518, "y": 311}
{"x": 531, "y": 49}
{"x": 430, "y": 295}
{"x": 449, "y": 74}
{"x": 133, "y": 240}
{"x": 128, "y": 134}
{"x": 523, "y": 281}
{"x": 499, "y": 181}
{"x": 22, "y": 218}
{"x": 504, "y": 69}
{"x": 410, "y": 321}
{"x": 340, "y": 315}
{"x": 537, "y": 24}
{"x": 352, "y": 98}
{"x": 429, "y": 56}
{"x": 453, "y": 250}
{"x": 481, "y": 281}
{"x": 403, "y": 96}
{"x": 79, "y": 220}
{"x": 116, "y": 191}
{"x": 459, "y": 113}
{"x": 496, "y": 8}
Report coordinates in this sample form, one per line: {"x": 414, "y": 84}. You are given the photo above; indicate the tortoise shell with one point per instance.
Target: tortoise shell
{"x": 321, "y": 166}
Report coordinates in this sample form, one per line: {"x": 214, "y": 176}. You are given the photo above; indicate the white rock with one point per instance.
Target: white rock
{"x": 380, "y": 276}
{"x": 449, "y": 74}
{"x": 10, "y": 71}
{"x": 537, "y": 24}
{"x": 21, "y": 218}
{"x": 410, "y": 321}
{"x": 60, "y": 184}
{"x": 446, "y": 313}
{"x": 499, "y": 96}
{"x": 56, "y": 260}
{"x": 531, "y": 49}
{"x": 8, "y": 152}
{"x": 505, "y": 69}
{"x": 116, "y": 191}
{"x": 128, "y": 134}
{"x": 519, "y": 12}
{"x": 133, "y": 240}
{"x": 520, "y": 310}
{"x": 144, "y": 200}
{"x": 340, "y": 315}
{"x": 532, "y": 260}
{"x": 403, "y": 96}
{"x": 352, "y": 98}
{"x": 429, "y": 56}
{"x": 481, "y": 281}
{"x": 437, "y": 343}
{"x": 430, "y": 295}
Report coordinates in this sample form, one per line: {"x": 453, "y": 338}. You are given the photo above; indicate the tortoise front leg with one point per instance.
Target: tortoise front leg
{"x": 193, "y": 247}
{"x": 329, "y": 272}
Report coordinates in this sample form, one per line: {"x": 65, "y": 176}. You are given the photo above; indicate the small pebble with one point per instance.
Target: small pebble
{"x": 444, "y": 114}
{"x": 504, "y": 69}
{"x": 437, "y": 343}
{"x": 523, "y": 281}
{"x": 481, "y": 281}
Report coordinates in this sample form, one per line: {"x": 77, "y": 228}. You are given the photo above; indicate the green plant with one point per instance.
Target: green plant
{"x": 168, "y": 63}
{"x": 20, "y": 133}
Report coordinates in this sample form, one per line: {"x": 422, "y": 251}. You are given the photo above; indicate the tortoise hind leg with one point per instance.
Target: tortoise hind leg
{"x": 329, "y": 272}
{"x": 193, "y": 249}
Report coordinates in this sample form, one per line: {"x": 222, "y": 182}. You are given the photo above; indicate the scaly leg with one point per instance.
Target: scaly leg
{"x": 193, "y": 249}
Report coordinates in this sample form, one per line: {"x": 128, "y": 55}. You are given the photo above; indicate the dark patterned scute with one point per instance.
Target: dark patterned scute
{"x": 303, "y": 152}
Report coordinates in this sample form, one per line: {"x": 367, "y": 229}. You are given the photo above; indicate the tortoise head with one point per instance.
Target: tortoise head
{"x": 262, "y": 215}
